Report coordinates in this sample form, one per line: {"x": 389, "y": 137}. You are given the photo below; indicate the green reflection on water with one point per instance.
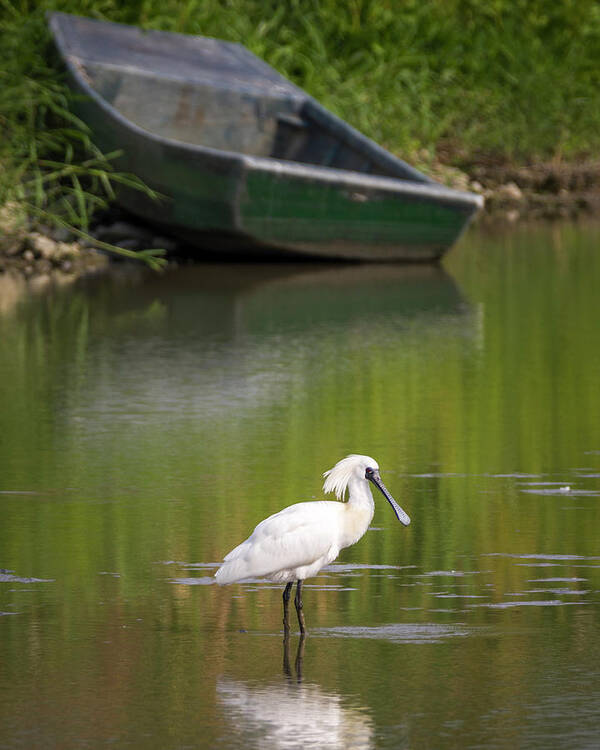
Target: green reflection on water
{"x": 149, "y": 420}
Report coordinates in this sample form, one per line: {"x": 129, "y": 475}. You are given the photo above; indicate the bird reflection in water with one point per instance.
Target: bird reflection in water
{"x": 299, "y": 663}
{"x": 292, "y": 713}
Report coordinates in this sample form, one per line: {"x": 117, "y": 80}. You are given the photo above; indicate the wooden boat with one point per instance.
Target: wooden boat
{"x": 246, "y": 159}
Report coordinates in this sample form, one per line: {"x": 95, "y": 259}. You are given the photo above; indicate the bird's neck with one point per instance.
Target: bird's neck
{"x": 359, "y": 494}
{"x": 359, "y": 512}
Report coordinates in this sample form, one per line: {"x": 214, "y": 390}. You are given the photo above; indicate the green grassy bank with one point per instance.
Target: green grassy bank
{"x": 459, "y": 81}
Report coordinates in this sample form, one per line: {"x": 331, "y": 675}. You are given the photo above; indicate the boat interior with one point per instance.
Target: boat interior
{"x": 228, "y": 118}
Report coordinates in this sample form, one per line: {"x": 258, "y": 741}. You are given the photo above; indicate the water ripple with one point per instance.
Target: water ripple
{"x": 562, "y": 491}
{"x": 204, "y": 581}
{"x": 6, "y": 576}
{"x": 409, "y": 633}
{"x": 555, "y": 580}
{"x": 541, "y": 603}
{"x": 536, "y": 556}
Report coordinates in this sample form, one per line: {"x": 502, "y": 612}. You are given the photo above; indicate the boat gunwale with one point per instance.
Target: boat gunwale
{"x": 298, "y": 96}
{"x": 429, "y": 189}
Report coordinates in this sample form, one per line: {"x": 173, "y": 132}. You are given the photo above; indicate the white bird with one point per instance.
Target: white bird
{"x": 297, "y": 542}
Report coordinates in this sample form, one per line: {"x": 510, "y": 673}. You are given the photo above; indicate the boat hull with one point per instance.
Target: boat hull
{"x": 246, "y": 202}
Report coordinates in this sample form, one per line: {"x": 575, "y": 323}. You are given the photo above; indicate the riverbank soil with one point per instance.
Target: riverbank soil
{"x": 551, "y": 190}
{"x": 514, "y": 191}
{"x": 34, "y": 252}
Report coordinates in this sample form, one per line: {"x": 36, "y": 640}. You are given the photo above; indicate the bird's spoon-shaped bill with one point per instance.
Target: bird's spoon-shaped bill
{"x": 400, "y": 514}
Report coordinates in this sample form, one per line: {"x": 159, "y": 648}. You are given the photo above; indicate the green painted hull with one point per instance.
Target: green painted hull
{"x": 245, "y": 160}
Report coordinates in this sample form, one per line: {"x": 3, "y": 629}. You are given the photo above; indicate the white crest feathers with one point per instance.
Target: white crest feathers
{"x": 337, "y": 478}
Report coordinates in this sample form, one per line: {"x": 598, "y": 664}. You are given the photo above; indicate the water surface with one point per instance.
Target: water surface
{"x": 149, "y": 422}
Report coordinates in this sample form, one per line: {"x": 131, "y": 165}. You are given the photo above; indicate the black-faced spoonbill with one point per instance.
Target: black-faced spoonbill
{"x": 297, "y": 542}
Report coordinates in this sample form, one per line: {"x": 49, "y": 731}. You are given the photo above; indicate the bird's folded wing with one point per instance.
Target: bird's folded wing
{"x": 296, "y": 536}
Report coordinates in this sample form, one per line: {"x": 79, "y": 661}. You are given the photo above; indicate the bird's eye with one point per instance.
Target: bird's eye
{"x": 368, "y": 472}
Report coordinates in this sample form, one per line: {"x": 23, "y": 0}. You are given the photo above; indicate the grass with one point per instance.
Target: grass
{"x": 512, "y": 79}
{"x": 460, "y": 80}
{"x": 50, "y": 169}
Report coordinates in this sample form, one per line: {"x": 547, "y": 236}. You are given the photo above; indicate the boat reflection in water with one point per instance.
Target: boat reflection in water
{"x": 221, "y": 339}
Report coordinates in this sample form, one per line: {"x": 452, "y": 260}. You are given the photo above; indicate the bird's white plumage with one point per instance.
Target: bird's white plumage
{"x": 287, "y": 545}
{"x": 297, "y": 542}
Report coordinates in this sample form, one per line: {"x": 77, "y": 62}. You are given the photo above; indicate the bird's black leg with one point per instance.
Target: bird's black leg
{"x": 287, "y": 592}
{"x": 299, "y": 605}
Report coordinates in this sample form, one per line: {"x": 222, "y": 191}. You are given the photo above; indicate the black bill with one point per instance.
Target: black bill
{"x": 400, "y": 514}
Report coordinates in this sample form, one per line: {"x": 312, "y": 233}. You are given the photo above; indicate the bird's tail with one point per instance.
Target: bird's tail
{"x": 229, "y": 572}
